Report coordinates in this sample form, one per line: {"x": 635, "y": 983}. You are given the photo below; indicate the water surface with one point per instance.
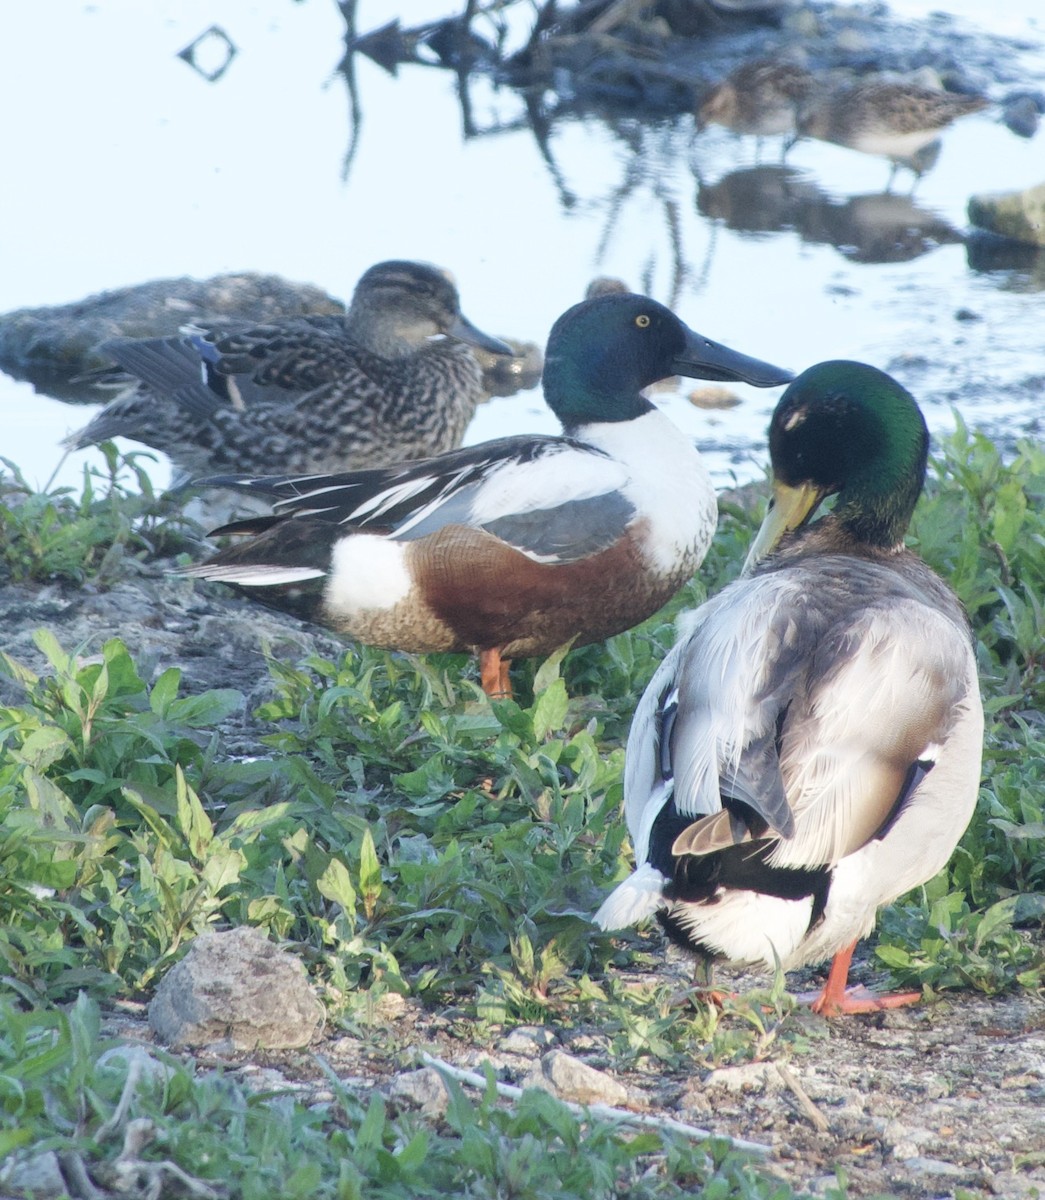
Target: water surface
{"x": 125, "y": 165}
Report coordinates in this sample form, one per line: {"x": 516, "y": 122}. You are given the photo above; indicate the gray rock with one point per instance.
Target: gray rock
{"x": 50, "y": 345}
{"x": 570, "y": 1079}
{"x": 1019, "y": 216}
{"x": 240, "y": 987}
{"x": 933, "y": 1166}
{"x": 748, "y": 1077}
{"x": 425, "y": 1088}
{"x": 39, "y": 1176}
{"x": 529, "y": 1040}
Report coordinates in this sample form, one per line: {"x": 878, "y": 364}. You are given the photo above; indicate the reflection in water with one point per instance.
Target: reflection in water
{"x": 1017, "y": 266}
{"x": 878, "y": 228}
{"x": 599, "y": 62}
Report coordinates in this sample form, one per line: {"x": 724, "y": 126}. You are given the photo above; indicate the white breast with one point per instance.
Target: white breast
{"x": 667, "y": 482}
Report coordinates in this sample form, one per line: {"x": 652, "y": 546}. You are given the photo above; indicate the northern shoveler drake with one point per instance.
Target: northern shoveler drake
{"x": 519, "y": 545}
{"x": 810, "y": 748}
{"x": 393, "y": 378}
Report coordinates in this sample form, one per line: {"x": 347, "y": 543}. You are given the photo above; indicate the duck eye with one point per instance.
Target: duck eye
{"x": 642, "y": 321}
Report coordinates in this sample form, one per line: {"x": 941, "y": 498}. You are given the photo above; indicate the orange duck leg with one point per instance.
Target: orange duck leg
{"x": 835, "y": 1000}
{"x": 493, "y": 674}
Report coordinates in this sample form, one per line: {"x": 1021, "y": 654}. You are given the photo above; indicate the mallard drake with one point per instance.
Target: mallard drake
{"x": 810, "y": 748}
{"x": 393, "y": 378}
{"x": 519, "y": 545}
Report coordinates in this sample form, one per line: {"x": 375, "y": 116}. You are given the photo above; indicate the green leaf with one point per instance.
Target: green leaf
{"x": 369, "y": 873}
{"x": 196, "y": 827}
{"x": 549, "y": 710}
{"x": 165, "y": 691}
{"x": 336, "y": 884}
{"x": 549, "y": 670}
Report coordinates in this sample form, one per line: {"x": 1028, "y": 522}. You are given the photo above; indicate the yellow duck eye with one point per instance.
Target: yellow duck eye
{"x": 642, "y": 321}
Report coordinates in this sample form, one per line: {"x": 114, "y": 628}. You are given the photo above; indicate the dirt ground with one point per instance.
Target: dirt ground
{"x": 946, "y": 1100}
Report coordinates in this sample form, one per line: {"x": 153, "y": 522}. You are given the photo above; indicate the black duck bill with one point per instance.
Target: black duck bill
{"x": 701, "y": 358}
{"x": 464, "y": 331}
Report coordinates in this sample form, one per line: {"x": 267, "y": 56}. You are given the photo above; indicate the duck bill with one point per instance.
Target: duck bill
{"x": 704, "y": 359}
{"x": 464, "y": 331}
{"x": 790, "y": 507}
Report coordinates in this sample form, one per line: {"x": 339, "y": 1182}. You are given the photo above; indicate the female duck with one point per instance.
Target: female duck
{"x": 519, "y": 545}
{"x": 310, "y": 393}
{"x": 810, "y": 749}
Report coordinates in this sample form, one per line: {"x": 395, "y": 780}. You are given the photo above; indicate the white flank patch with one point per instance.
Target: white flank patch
{"x": 667, "y": 482}
{"x": 551, "y": 479}
{"x": 366, "y": 571}
{"x": 639, "y": 896}
{"x": 257, "y": 574}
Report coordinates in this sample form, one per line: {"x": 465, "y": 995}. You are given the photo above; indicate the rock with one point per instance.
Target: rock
{"x": 50, "y": 345}
{"x": 425, "y": 1088}
{"x": 1012, "y": 1184}
{"x": 570, "y": 1079}
{"x": 933, "y": 1166}
{"x": 39, "y": 1176}
{"x": 1016, "y": 215}
{"x": 240, "y": 987}
{"x": 748, "y": 1077}
{"x": 1021, "y": 113}
{"x": 713, "y": 396}
{"x": 526, "y": 1039}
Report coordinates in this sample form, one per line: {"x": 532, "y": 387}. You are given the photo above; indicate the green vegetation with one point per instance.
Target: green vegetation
{"x": 53, "y": 536}
{"x": 412, "y": 838}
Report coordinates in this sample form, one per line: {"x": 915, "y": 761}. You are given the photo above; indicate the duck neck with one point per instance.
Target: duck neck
{"x": 583, "y": 396}
{"x": 876, "y": 508}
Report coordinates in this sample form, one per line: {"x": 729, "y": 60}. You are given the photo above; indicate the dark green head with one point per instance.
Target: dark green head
{"x": 602, "y": 352}
{"x": 849, "y": 429}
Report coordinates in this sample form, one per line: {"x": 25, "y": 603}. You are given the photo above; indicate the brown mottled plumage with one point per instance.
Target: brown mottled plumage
{"x": 899, "y": 121}
{"x": 761, "y": 97}
{"x": 312, "y": 393}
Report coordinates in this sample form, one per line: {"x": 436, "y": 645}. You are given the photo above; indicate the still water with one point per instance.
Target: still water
{"x": 125, "y": 165}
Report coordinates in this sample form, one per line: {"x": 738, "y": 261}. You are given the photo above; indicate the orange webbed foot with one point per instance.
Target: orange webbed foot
{"x": 835, "y": 999}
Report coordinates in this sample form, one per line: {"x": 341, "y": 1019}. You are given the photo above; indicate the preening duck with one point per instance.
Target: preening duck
{"x": 393, "y": 378}
{"x": 810, "y": 748}
{"x": 519, "y": 545}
